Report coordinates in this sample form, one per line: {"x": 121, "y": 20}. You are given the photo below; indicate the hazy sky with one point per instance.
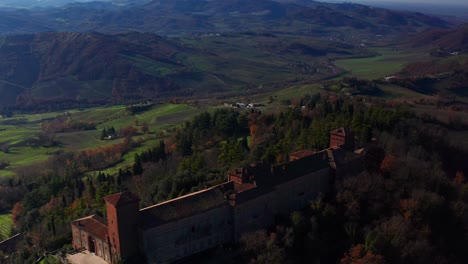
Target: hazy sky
{"x": 462, "y": 2}
{"x": 440, "y": 2}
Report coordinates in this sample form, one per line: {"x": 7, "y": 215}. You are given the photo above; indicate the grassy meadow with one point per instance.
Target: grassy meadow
{"x": 18, "y": 130}
{"x": 388, "y": 62}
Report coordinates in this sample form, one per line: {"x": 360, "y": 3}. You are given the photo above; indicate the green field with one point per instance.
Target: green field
{"x": 5, "y": 226}
{"x": 16, "y": 131}
{"x": 388, "y": 62}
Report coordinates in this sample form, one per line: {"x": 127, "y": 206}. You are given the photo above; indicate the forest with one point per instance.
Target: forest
{"x": 408, "y": 206}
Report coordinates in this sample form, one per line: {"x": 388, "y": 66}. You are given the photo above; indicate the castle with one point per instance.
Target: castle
{"x": 248, "y": 201}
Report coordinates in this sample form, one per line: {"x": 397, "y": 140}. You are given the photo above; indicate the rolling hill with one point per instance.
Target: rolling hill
{"x": 94, "y": 52}
{"x": 180, "y": 17}
{"x": 77, "y": 65}
{"x": 447, "y": 69}
{"x": 68, "y": 69}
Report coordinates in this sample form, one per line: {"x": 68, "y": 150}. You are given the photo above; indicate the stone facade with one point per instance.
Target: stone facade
{"x": 250, "y": 200}
{"x": 91, "y": 233}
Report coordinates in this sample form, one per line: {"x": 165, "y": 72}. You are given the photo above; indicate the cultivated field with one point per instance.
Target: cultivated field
{"x": 5, "y": 226}
{"x": 20, "y": 130}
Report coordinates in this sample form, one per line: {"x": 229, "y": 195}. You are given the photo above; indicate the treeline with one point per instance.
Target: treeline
{"x": 65, "y": 124}
{"x": 124, "y": 132}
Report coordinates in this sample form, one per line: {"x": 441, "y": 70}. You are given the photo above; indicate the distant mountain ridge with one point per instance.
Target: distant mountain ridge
{"x": 178, "y": 17}
{"x": 38, "y": 3}
{"x": 58, "y": 3}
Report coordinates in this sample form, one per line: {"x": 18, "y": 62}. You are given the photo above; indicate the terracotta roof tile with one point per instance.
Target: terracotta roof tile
{"x": 120, "y": 199}
{"x": 94, "y": 225}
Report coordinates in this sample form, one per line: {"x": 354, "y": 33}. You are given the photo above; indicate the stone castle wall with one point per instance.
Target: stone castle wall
{"x": 187, "y": 236}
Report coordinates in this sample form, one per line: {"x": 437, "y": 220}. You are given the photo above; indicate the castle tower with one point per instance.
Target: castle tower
{"x": 342, "y": 137}
{"x": 122, "y": 216}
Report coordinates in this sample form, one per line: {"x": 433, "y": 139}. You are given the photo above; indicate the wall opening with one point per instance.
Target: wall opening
{"x": 91, "y": 245}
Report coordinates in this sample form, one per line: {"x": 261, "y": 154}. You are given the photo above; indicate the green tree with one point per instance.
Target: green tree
{"x": 137, "y": 166}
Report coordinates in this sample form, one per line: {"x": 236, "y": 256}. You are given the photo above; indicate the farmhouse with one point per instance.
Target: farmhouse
{"x": 249, "y": 200}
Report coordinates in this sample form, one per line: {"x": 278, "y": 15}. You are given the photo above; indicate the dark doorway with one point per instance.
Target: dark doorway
{"x": 91, "y": 245}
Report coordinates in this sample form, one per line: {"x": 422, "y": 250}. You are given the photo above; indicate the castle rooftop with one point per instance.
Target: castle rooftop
{"x": 122, "y": 198}
{"x": 93, "y": 224}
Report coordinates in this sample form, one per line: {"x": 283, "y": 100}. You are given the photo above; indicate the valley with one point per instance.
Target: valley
{"x": 160, "y": 67}
{"x": 167, "y": 98}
